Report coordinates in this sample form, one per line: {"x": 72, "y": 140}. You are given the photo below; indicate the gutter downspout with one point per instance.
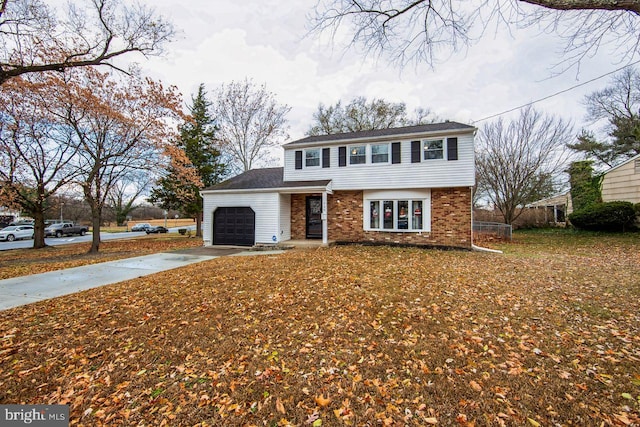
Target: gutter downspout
{"x": 324, "y": 216}
{"x": 474, "y": 247}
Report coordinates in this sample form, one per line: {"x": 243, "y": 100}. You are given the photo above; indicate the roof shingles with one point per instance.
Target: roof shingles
{"x": 263, "y": 179}
{"x": 432, "y": 127}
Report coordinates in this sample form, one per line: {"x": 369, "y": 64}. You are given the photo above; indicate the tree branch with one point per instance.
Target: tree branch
{"x": 629, "y": 5}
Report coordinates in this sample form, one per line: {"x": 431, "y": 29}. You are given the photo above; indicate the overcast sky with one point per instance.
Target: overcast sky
{"x": 265, "y": 40}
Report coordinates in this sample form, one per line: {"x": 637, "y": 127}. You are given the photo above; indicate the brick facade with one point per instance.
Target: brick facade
{"x": 299, "y": 216}
{"x": 450, "y": 219}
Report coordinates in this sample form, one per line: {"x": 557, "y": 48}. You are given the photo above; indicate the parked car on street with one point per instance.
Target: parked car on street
{"x": 23, "y": 222}
{"x": 16, "y": 232}
{"x": 65, "y": 228}
{"x": 143, "y": 226}
{"x": 157, "y": 229}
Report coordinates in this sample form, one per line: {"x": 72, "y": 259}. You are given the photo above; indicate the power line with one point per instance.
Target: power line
{"x": 556, "y": 93}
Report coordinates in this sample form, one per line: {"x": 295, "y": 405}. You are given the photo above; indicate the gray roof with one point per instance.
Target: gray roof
{"x": 432, "y": 127}
{"x": 263, "y": 179}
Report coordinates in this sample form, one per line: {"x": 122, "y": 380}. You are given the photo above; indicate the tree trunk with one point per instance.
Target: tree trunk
{"x": 38, "y": 230}
{"x": 95, "y": 224}
{"x": 199, "y": 225}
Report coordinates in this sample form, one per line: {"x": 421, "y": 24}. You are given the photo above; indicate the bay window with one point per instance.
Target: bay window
{"x": 398, "y": 211}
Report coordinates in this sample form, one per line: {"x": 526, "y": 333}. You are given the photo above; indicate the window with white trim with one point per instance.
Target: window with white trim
{"x": 433, "y": 149}
{"x": 396, "y": 215}
{"x": 374, "y": 214}
{"x": 358, "y": 155}
{"x": 387, "y": 222}
{"x": 312, "y": 157}
{"x": 416, "y": 214}
{"x": 379, "y": 153}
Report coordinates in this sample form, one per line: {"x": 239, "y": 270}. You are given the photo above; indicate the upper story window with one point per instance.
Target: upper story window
{"x": 380, "y": 153}
{"x": 433, "y": 149}
{"x": 312, "y": 157}
{"x": 358, "y": 155}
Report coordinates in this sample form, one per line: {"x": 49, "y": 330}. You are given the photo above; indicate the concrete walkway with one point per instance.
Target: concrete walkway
{"x": 37, "y": 287}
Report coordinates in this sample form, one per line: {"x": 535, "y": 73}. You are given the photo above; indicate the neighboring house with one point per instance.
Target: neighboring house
{"x": 553, "y": 210}
{"x": 622, "y": 182}
{"x": 410, "y": 185}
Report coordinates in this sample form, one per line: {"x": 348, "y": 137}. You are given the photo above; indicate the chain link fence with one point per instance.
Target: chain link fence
{"x": 497, "y": 229}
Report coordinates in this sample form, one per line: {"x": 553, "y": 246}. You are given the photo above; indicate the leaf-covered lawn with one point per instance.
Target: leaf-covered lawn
{"x": 20, "y": 262}
{"x": 546, "y": 334}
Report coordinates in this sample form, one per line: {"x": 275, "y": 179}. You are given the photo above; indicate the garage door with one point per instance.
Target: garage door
{"x": 234, "y": 226}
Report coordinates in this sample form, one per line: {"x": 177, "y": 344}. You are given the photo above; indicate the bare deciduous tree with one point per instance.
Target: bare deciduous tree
{"x": 33, "y": 38}
{"x": 518, "y": 161}
{"x": 360, "y": 114}
{"x": 36, "y": 153}
{"x": 422, "y": 30}
{"x": 621, "y": 98}
{"x": 249, "y": 122}
{"x": 619, "y": 105}
{"x": 124, "y": 193}
{"x": 120, "y": 126}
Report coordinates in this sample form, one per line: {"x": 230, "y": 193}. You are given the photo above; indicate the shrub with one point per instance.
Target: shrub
{"x": 585, "y": 188}
{"x": 609, "y": 216}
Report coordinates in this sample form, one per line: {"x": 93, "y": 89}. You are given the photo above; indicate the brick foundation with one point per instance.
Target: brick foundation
{"x": 450, "y": 219}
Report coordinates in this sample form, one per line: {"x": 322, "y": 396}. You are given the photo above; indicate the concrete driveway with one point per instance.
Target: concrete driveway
{"x": 37, "y": 287}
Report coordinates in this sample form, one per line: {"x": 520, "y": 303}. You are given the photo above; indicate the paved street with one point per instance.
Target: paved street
{"x": 54, "y": 241}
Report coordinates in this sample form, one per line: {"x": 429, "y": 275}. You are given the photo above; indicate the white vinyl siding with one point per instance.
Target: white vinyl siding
{"x": 426, "y": 174}
{"x": 285, "y": 217}
{"x": 266, "y": 206}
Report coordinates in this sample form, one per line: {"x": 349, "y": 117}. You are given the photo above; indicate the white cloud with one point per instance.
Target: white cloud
{"x": 264, "y": 40}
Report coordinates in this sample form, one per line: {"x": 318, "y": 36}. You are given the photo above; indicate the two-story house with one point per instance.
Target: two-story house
{"x": 409, "y": 185}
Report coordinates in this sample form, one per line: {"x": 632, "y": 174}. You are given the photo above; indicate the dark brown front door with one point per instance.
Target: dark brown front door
{"x": 314, "y": 217}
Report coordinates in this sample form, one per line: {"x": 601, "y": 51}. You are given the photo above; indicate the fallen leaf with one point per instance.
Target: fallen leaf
{"x": 321, "y": 401}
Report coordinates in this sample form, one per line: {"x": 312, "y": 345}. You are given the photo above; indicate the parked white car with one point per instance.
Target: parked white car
{"x": 16, "y": 232}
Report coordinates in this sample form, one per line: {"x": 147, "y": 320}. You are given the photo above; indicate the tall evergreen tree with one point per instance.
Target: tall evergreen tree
{"x": 198, "y": 141}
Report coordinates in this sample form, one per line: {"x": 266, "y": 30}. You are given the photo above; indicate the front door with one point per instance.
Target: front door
{"x": 314, "y": 217}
